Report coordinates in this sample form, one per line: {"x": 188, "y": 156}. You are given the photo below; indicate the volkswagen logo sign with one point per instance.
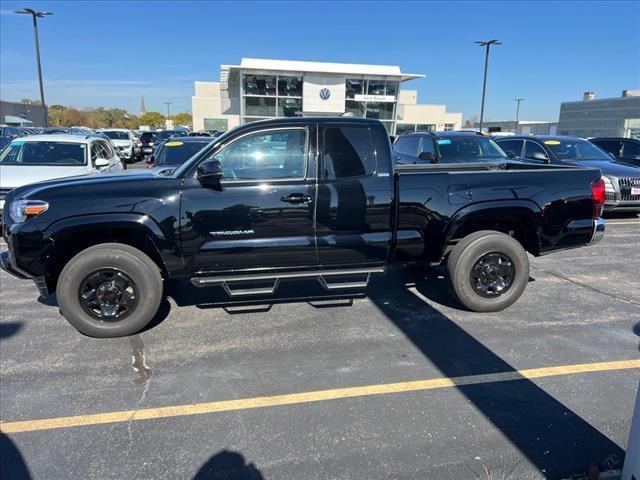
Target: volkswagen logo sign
{"x": 325, "y": 93}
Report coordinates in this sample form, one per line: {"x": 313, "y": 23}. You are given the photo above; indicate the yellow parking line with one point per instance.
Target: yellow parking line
{"x": 307, "y": 397}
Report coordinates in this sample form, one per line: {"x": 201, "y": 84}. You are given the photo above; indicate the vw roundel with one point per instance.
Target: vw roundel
{"x": 325, "y": 93}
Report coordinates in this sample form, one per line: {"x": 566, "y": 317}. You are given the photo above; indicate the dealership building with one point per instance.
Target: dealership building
{"x": 260, "y": 88}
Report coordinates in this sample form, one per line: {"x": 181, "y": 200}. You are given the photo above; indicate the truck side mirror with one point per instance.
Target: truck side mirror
{"x": 427, "y": 156}
{"x": 209, "y": 173}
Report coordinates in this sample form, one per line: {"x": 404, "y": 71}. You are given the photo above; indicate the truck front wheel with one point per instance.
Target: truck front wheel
{"x": 110, "y": 290}
{"x": 488, "y": 271}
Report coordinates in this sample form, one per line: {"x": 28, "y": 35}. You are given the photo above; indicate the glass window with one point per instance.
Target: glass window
{"x": 408, "y": 144}
{"x": 375, "y": 87}
{"x": 348, "y": 152}
{"x": 19, "y": 152}
{"x": 468, "y": 148}
{"x": 425, "y": 127}
{"x": 354, "y": 87}
{"x": 107, "y": 149}
{"x": 388, "y": 126}
{"x": 531, "y": 148}
{"x": 380, "y": 110}
{"x": 116, "y": 135}
{"x": 176, "y": 153}
{"x": 630, "y": 149}
{"x": 265, "y": 156}
{"x": 289, "y": 107}
{"x": 426, "y": 145}
{"x": 356, "y": 108}
{"x": 392, "y": 88}
{"x": 290, "y": 86}
{"x": 611, "y": 146}
{"x": 449, "y": 127}
{"x": 404, "y": 127}
{"x": 259, "y": 85}
{"x": 575, "y": 149}
{"x": 259, "y": 107}
{"x": 514, "y": 146}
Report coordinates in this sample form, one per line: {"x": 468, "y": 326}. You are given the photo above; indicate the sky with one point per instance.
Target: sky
{"x": 112, "y": 53}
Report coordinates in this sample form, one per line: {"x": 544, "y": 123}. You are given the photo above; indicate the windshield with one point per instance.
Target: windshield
{"x": 575, "y": 149}
{"x": 113, "y": 135}
{"x": 468, "y": 148}
{"x": 147, "y": 136}
{"x": 176, "y": 153}
{"x": 44, "y": 153}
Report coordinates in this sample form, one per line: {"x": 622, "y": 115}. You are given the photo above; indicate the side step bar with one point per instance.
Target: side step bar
{"x": 331, "y": 280}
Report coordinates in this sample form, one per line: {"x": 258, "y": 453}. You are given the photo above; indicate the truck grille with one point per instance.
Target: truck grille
{"x": 625, "y": 188}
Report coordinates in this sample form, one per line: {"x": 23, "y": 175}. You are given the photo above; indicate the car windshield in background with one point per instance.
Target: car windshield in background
{"x": 147, "y": 136}
{"x": 166, "y": 134}
{"x": 44, "y": 153}
{"x": 468, "y": 149}
{"x": 117, "y": 135}
{"x": 575, "y": 149}
{"x": 176, "y": 153}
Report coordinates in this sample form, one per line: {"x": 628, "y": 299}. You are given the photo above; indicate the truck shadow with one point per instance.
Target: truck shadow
{"x": 551, "y": 436}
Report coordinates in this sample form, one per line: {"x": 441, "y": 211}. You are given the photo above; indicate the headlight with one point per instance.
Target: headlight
{"x": 608, "y": 186}
{"x": 21, "y": 210}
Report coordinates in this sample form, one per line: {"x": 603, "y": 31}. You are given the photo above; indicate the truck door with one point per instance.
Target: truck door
{"x": 262, "y": 218}
{"x": 355, "y": 195}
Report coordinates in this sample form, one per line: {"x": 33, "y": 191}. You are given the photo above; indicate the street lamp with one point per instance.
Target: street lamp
{"x": 486, "y": 44}
{"x": 36, "y": 15}
{"x": 168, "y": 113}
{"x": 517, "y": 111}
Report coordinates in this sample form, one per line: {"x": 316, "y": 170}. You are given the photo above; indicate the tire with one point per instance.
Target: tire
{"x": 91, "y": 265}
{"x": 480, "y": 250}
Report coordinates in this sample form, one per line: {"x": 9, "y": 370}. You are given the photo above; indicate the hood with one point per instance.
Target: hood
{"x": 13, "y": 176}
{"x": 121, "y": 143}
{"x": 116, "y": 180}
{"x": 611, "y": 168}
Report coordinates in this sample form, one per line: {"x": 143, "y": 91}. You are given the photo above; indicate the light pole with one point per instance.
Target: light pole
{"x": 517, "y": 111}
{"x": 36, "y": 15}
{"x": 168, "y": 113}
{"x": 486, "y": 44}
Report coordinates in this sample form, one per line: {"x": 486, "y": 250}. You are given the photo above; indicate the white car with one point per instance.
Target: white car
{"x": 37, "y": 158}
{"x": 127, "y": 144}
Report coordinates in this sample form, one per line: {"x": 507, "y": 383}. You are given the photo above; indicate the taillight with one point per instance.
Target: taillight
{"x": 598, "y": 195}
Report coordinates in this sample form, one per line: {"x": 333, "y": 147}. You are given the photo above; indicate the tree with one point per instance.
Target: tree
{"x": 55, "y": 114}
{"x": 71, "y": 117}
{"x": 153, "y": 119}
{"x": 183, "y": 118}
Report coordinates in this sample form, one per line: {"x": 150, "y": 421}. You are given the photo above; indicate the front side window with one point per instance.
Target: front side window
{"x": 44, "y": 153}
{"x": 348, "y": 152}
{"x": 468, "y": 148}
{"x": 514, "y": 146}
{"x": 408, "y": 145}
{"x": 631, "y": 149}
{"x": 532, "y": 148}
{"x": 611, "y": 146}
{"x": 267, "y": 155}
{"x": 427, "y": 146}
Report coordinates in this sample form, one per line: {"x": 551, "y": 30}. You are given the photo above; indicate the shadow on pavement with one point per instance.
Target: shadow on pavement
{"x": 556, "y": 440}
{"x": 11, "y": 462}
{"x": 228, "y": 465}
{"x": 9, "y": 329}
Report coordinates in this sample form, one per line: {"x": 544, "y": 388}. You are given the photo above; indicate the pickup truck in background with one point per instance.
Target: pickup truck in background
{"x": 289, "y": 199}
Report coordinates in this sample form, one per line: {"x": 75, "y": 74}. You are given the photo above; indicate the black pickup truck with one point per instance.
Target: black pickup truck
{"x": 289, "y": 199}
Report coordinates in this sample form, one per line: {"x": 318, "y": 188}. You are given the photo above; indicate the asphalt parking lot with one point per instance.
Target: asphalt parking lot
{"x": 401, "y": 384}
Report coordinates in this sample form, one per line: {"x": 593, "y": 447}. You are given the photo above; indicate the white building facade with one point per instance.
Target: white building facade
{"x": 260, "y": 88}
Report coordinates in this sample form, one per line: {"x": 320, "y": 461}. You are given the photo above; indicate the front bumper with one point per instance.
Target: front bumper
{"x": 5, "y": 264}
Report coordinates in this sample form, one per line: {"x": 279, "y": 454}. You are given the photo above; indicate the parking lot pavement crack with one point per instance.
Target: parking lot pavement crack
{"x": 588, "y": 287}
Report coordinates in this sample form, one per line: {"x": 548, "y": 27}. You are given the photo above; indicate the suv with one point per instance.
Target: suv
{"x": 626, "y": 150}
{"x": 446, "y": 147}
{"x": 125, "y": 142}
{"x": 622, "y": 182}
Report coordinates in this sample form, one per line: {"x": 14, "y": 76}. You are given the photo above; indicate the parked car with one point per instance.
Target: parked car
{"x": 54, "y": 130}
{"x": 446, "y": 147}
{"x": 37, "y": 158}
{"x": 625, "y": 150}
{"x": 177, "y": 150}
{"x": 622, "y": 182}
{"x": 10, "y": 132}
{"x": 261, "y": 205}
{"x": 199, "y": 134}
{"x": 146, "y": 142}
{"x": 115, "y": 149}
{"x": 125, "y": 142}
{"x": 163, "y": 135}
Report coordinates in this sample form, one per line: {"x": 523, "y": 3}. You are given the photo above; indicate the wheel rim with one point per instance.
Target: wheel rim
{"x": 108, "y": 294}
{"x": 492, "y": 274}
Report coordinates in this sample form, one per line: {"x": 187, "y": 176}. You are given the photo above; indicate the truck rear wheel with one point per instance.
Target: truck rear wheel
{"x": 488, "y": 271}
{"x": 110, "y": 290}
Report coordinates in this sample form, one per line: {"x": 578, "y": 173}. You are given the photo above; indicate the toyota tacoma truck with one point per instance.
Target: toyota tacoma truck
{"x": 289, "y": 199}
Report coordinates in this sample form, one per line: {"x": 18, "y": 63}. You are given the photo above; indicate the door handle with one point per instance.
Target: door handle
{"x": 296, "y": 198}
